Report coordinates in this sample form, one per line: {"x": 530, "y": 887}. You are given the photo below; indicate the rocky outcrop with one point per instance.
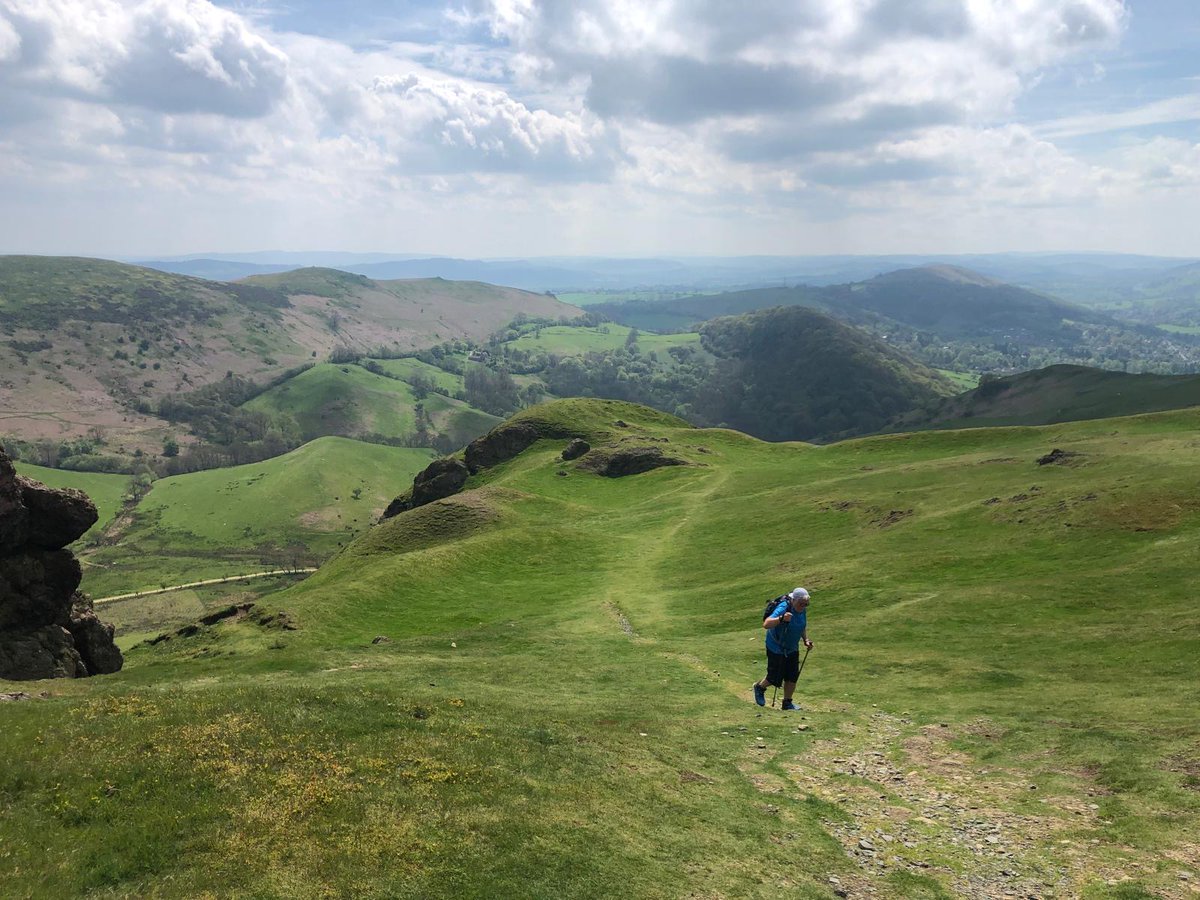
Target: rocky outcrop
{"x": 445, "y": 477}
{"x": 56, "y": 517}
{"x": 501, "y": 443}
{"x": 47, "y": 628}
{"x": 628, "y": 461}
{"x": 1058, "y": 457}
{"x": 576, "y": 449}
{"x": 441, "y": 478}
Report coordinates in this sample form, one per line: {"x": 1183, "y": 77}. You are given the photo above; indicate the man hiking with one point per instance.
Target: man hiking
{"x": 787, "y": 628}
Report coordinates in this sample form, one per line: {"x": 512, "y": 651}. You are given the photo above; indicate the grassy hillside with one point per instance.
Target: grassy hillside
{"x": 1000, "y": 699}
{"x": 574, "y": 341}
{"x": 351, "y": 401}
{"x": 409, "y": 368}
{"x": 366, "y": 314}
{"x": 342, "y": 400}
{"x": 1057, "y": 394}
{"x": 296, "y": 509}
{"x": 92, "y": 345}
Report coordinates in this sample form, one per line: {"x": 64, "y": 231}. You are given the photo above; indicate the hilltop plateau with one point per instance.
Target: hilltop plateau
{"x": 538, "y": 685}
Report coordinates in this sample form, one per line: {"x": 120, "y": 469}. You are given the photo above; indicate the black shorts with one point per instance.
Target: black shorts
{"x": 781, "y": 668}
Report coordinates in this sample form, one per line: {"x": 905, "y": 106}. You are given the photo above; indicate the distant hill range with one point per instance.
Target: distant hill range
{"x": 944, "y": 299}
{"x": 1055, "y": 394}
{"x": 1085, "y": 278}
{"x": 948, "y": 317}
{"x": 87, "y": 343}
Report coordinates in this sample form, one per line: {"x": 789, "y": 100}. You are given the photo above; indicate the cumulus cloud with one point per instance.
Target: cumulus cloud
{"x": 854, "y": 71}
{"x": 445, "y": 126}
{"x": 210, "y": 91}
{"x": 174, "y": 56}
{"x": 597, "y": 111}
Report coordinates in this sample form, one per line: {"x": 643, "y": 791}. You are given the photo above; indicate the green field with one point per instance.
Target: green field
{"x": 294, "y": 509}
{"x": 1181, "y": 329}
{"x": 411, "y": 367}
{"x": 105, "y": 490}
{"x": 574, "y": 340}
{"x": 1001, "y": 701}
{"x": 348, "y": 400}
{"x": 343, "y": 400}
{"x": 964, "y": 381}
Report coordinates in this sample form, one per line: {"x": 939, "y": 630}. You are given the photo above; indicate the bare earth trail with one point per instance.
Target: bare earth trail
{"x": 196, "y": 584}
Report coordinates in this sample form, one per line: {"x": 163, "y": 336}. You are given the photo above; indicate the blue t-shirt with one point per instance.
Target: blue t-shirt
{"x": 785, "y": 637}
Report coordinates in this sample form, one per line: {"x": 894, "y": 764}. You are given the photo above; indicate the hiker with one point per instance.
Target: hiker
{"x": 787, "y": 628}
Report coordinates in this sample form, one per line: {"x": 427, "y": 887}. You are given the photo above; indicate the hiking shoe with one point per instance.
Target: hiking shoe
{"x": 788, "y": 704}
{"x": 760, "y": 694}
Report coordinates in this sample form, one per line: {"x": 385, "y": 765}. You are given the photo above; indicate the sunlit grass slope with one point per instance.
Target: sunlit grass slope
{"x": 408, "y": 367}
{"x": 574, "y": 340}
{"x": 299, "y": 506}
{"x": 341, "y": 399}
{"x": 350, "y": 401}
{"x": 1001, "y": 697}
{"x": 105, "y": 490}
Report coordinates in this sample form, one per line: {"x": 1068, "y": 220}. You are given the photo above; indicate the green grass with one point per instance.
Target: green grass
{"x": 105, "y": 490}
{"x": 300, "y": 507}
{"x": 348, "y": 400}
{"x": 342, "y": 400}
{"x": 964, "y": 381}
{"x": 563, "y": 706}
{"x": 410, "y": 367}
{"x": 574, "y": 340}
{"x": 1181, "y": 329}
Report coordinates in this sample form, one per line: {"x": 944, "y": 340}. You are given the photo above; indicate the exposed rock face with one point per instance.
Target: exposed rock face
{"x": 576, "y": 449}
{"x": 14, "y": 518}
{"x": 441, "y": 478}
{"x": 56, "y": 517}
{"x": 629, "y": 461}
{"x": 501, "y": 443}
{"x": 47, "y": 629}
{"x": 93, "y": 638}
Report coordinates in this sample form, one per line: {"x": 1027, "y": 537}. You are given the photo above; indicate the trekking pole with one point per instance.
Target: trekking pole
{"x": 807, "y": 650}
{"x": 774, "y": 694}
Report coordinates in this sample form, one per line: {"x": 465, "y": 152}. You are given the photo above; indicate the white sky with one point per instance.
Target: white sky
{"x": 630, "y": 127}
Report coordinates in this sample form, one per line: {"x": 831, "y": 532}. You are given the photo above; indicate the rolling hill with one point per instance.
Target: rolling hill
{"x": 1056, "y": 394}
{"x": 348, "y": 400}
{"x": 539, "y": 687}
{"x": 93, "y": 345}
{"x": 947, "y": 300}
{"x": 791, "y": 373}
{"x": 948, "y": 317}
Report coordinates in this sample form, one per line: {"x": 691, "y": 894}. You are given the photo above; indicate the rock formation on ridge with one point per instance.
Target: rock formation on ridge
{"x": 47, "y": 628}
